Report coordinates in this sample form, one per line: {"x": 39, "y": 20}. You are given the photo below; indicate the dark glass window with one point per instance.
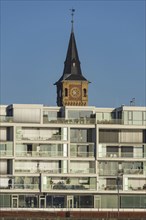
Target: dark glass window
{"x": 66, "y": 92}
{"x": 85, "y": 92}
{"x": 86, "y": 201}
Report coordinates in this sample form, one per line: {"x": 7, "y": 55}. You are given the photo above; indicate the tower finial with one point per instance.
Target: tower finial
{"x": 72, "y": 21}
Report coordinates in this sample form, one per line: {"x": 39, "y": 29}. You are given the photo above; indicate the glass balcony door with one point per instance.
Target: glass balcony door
{"x": 97, "y": 202}
{"x": 14, "y": 201}
{"x": 42, "y": 202}
{"x": 70, "y": 202}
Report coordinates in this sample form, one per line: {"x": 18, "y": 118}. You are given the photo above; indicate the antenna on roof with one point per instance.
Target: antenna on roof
{"x": 132, "y": 102}
{"x": 72, "y": 21}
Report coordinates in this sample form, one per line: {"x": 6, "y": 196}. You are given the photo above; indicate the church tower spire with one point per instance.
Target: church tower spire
{"x": 72, "y": 87}
{"x": 72, "y": 21}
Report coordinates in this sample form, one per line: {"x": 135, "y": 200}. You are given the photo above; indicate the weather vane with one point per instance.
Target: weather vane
{"x": 72, "y": 14}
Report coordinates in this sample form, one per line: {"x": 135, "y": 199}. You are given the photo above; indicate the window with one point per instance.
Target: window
{"x": 84, "y": 92}
{"x": 108, "y": 136}
{"x": 133, "y": 201}
{"x": 126, "y": 151}
{"x": 66, "y": 92}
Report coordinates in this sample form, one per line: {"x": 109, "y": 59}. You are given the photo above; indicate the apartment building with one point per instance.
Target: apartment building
{"x": 72, "y": 155}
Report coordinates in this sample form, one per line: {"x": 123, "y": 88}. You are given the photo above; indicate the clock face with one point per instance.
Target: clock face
{"x": 75, "y": 92}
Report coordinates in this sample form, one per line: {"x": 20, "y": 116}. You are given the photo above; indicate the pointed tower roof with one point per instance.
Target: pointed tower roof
{"x": 72, "y": 68}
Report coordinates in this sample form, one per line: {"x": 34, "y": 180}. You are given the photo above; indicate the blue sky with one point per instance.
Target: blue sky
{"x": 110, "y": 37}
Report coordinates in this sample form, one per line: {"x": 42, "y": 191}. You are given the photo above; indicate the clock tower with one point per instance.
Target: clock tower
{"x": 72, "y": 87}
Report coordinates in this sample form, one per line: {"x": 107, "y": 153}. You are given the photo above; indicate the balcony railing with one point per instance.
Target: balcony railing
{"x": 41, "y": 138}
{"x": 6, "y": 153}
{"x": 62, "y": 186}
{"x": 69, "y": 121}
{"x": 110, "y": 187}
{"x": 89, "y": 121}
{"x": 121, "y": 155}
{"x": 4, "y": 118}
{"x": 32, "y": 170}
{"x": 133, "y": 171}
{"x": 26, "y": 186}
{"x": 86, "y": 121}
{"x": 80, "y": 139}
{"x": 20, "y": 186}
{"x": 6, "y": 148}
{"x": 121, "y": 121}
{"x": 81, "y": 154}
{"x": 110, "y": 172}
{"x": 39, "y": 154}
{"x": 113, "y": 172}
{"x": 111, "y": 121}
{"x": 136, "y": 187}
{"x": 80, "y": 171}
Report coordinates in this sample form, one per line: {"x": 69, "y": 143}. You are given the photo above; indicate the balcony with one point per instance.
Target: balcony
{"x": 4, "y": 118}
{"x": 37, "y": 171}
{"x": 121, "y": 155}
{"x": 41, "y": 138}
{"x": 137, "y": 188}
{"x": 133, "y": 171}
{"x": 6, "y": 149}
{"x": 106, "y": 172}
{"x": 82, "y": 154}
{"x": 39, "y": 154}
{"x": 121, "y": 122}
{"x": 109, "y": 187}
{"x": 6, "y": 153}
{"x": 111, "y": 121}
{"x": 81, "y": 150}
{"x": 24, "y": 186}
{"x": 80, "y": 171}
{"x": 69, "y": 183}
{"x": 62, "y": 186}
{"x": 69, "y": 121}
{"x": 31, "y": 183}
{"x": 136, "y": 184}
{"x": 113, "y": 172}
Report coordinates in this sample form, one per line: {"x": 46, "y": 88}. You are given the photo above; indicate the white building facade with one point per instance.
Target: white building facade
{"x": 78, "y": 157}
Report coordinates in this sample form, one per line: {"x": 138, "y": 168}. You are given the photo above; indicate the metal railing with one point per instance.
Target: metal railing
{"x": 62, "y": 186}
{"x": 81, "y": 154}
{"x": 133, "y": 171}
{"x": 21, "y": 186}
{"x": 113, "y": 172}
{"x": 39, "y": 170}
{"x": 86, "y": 121}
{"x": 136, "y": 187}
{"x": 4, "y": 118}
{"x": 69, "y": 121}
{"x": 121, "y": 155}
{"x": 6, "y": 153}
{"x": 40, "y": 138}
{"x": 39, "y": 154}
{"x": 110, "y": 172}
{"x": 80, "y": 139}
{"x": 109, "y": 187}
{"x": 80, "y": 171}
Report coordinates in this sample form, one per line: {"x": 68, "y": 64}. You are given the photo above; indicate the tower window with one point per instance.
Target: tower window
{"x": 66, "y": 92}
{"x": 60, "y": 93}
{"x": 73, "y": 62}
{"x": 84, "y": 92}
